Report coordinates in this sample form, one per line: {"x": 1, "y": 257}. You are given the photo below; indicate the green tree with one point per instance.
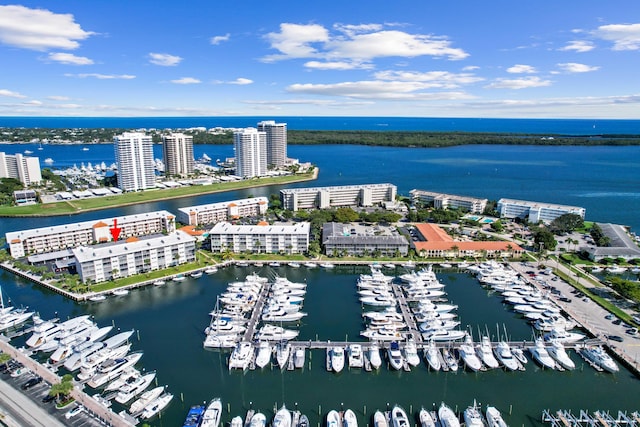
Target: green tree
{"x": 543, "y": 238}
{"x": 346, "y": 215}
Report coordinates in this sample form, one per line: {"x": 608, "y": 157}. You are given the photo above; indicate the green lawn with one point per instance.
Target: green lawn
{"x": 79, "y": 206}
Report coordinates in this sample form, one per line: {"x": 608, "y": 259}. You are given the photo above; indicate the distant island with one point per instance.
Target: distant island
{"x": 220, "y": 136}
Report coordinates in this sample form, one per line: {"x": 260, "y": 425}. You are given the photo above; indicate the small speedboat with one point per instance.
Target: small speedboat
{"x": 399, "y": 417}
{"x": 333, "y": 418}
{"x": 349, "y": 419}
{"x": 395, "y": 356}
{"x": 282, "y": 418}
{"x": 426, "y": 419}
{"x": 379, "y": 420}
{"x": 473, "y": 416}
{"x": 494, "y": 418}
{"x": 447, "y": 417}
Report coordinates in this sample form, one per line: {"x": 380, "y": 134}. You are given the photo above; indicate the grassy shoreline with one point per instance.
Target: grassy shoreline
{"x": 72, "y": 207}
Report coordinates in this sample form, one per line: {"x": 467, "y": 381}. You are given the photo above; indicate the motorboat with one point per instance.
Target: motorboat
{"x": 337, "y": 359}
{"x": 382, "y": 334}
{"x": 494, "y": 417}
{"x": 473, "y": 416}
{"x": 98, "y": 298}
{"x": 157, "y": 405}
{"x": 327, "y": 265}
{"x": 48, "y": 331}
{"x": 159, "y": 282}
{"x": 395, "y": 356}
{"x": 283, "y": 352}
{"x": 263, "y": 355}
{"x": 349, "y": 419}
{"x": 275, "y": 333}
{"x": 432, "y": 315}
{"x": 236, "y": 421}
{"x": 447, "y": 417}
{"x": 241, "y": 356}
{"x": 505, "y": 356}
{"x": 563, "y": 336}
{"x": 519, "y": 355}
{"x": 547, "y": 324}
{"x": 450, "y": 359}
{"x": 303, "y": 421}
{"x": 356, "y": 358}
{"x": 310, "y": 264}
{"x": 299, "y": 355}
{"x": 294, "y": 264}
{"x": 212, "y": 414}
{"x": 132, "y": 389}
{"x": 468, "y": 355}
{"x": 484, "y": 351}
{"x": 389, "y": 314}
{"x": 282, "y": 418}
{"x": 379, "y": 301}
{"x": 399, "y": 417}
{"x": 432, "y": 356}
{"x": 559, "y": 353}
{"x": 144, "y": 399}
{"x": 541, "y": 355}
{"x": 178, "y": 278}
{"x": 101, "y": 378}
{"x": 120, "y": 292}
{"x": 426, "y": 418}
{"x": 374, "y": 356}
{"x": 410, "y": 353}
{"x": 14, "y": 318}
{"x": 281, "y": 315}
{"x": 221, "y": 341}
{"x": 440, "y": 335}
{"x": 379, "y": 420}
{"x": 258, "y": 419}
{"x": 210, "y": 270}
{"x": 438, "y": 324}
{"x": 89, "y": 367}
{"x": 128, "y": 376}
{"x": 196, "y": 275}
{"x": 333, "y": 418}
{"x": 599, "y": 357}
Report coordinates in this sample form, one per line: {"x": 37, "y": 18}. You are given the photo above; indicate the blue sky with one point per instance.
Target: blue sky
{"x": 417, "y": 58}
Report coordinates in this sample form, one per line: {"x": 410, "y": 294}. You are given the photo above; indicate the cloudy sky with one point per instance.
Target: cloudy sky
{"x": 418, "y": 58}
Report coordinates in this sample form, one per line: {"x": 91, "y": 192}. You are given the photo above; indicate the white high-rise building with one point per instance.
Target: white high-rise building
{"x": 177, "y": 154}
{"x": 134, "y": 157}
{"x": 276, "y": 142}
{"x": 250, "y": 146}
{"x": 23, "y": 168}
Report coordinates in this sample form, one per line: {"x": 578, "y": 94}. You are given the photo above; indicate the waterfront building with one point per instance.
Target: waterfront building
{"x": 346, "y": 195}
{"x": 132, "y": 256}
{"x": 434, "y": 242}
{"x": 449, "y": 201}
{"x": 345, "y": 240}
{"x": 59, "y": 237}
{"x": 535, "y": 212}
{"x": 177, "y": 154}
{"x": 276, "y": 138}
{"x": 223, "y": 211}
{"x": 621, "y": 245}
{"x": 134, "y": 157}
{"x": 24, "y": 197}
{"x": 250, "y": 146}
{"x": 25, "y": 169}
{"x": 260, "y": 238}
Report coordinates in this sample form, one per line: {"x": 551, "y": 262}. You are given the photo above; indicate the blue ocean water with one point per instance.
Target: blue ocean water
{"x": 536, "y": 126}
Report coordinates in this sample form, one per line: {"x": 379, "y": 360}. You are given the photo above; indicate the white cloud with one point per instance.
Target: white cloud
{"x": 521, "y": 69}
{"x": 39, "y": 29}
{"x": 442, "y": 79}
{"x": 623, "y": 36}
{"x": 164, "y": 59}
{"x": 58, "y": 98}
{"x": 241, "y": 81}
{"x": 33, "y": 103}
{"x": 337, "y": 65}
{"x": 69, "y": 58}
{"x": 573, "y": 67}
{"x": 470, "y": 68}
{"x": 356, "y": 44}
{"x": 102, "y": 76}
{"x": 522, "y": 83}
{"x": 579, "y": 46}
{"x": 215, "y": 40}
{"x": 186, "y": 81}
{"x": 377, "y": 89}
{"x": 11, "y": 94}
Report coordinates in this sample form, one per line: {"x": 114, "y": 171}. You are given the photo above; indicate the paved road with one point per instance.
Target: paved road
{"x": 20, "y": 410}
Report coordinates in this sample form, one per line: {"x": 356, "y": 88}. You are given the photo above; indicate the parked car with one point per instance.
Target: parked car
{"x": 48, "y": 398}
{"x": 615, "y": 338}
{"x": 74, "y": 411}
{"x": 32, "y": 382}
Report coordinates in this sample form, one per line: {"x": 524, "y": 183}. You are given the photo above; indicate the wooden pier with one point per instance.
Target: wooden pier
{"x": 566, "y": 418}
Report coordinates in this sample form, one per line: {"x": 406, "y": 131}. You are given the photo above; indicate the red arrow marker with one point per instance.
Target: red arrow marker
{"x": 115, "y": 231}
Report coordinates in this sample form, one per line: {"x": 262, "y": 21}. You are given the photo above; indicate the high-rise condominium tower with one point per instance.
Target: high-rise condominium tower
{"x": 251, "y": 152}
{"x": 177, "y": 154}
{"x": 276, "y": 142}
{"x": 134, "y": 157}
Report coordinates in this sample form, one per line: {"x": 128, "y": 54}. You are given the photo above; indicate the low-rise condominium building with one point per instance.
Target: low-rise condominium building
{"x": 260, "y": 238}
{"x": 345, "y": 195}
{"x": 449, "y": 201}
{"x": 338, "y": 240}
{"x": 535, "y": 212}
{"x": 100, "y": 263}
{"x": 223, "y": 211}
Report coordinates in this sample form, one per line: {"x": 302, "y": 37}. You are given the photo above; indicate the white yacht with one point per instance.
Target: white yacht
{"x": 599, "y": 357}
{"x": 258, "y": 420}
{"x": 299, "y": 355}
{"x": 541, "y": 355}
{"x": 410, "y": 353}
{"x": 450, "y": 359}
{"x": 157, "y": 405}
{"x": 473, "y": 416}
{"x": 263, "y": 355}
{"x": 333, "y": 419}
{"x": 282, "y": 418}
{"x": 337, "y": 359}
{"x": 494, "y": 418}
{"x": 310, "y": 264}
{"x": 144, "y": 399}
{"x": 283, "y": 352}
{"x": 484, "y": 351}
{"x": 432, "y": 356}
{"x": 349, "y": 419}
{"x": 241, "y": 356}
{"x": 132, "y": 389}
{"x": 374, "y": 356}
{"x": 395, "y": 356}
{"x": 101, "y": 378}
{"x": 447, "y": 417}
{"x": 379, "y": 420}
{"x": 356, "y": 358}
{"x": 275, "y": 333}
{"x": 211, "y": 415}
{"x": 210, "y": 270}
{"x": 426, "y": 418}
{"x": 48, "y": 331}
{"x": 505, "y": 356}
{"x": 129, "y": 375}
{"x": 468, "y": 355}
{"x": 382, "y": 334}
{"x": 441, "y": 335}
{"x": 563, "y": 336}
{"x": 399, "y": 417}
{"x": 558, "y": 352}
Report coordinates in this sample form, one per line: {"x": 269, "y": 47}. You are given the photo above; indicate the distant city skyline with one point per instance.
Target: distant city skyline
{"x": 545, "y": 59}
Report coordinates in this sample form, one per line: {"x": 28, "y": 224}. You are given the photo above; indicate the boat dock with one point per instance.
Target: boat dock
{"x": 565, "y": 418}
{"x": 408, "y": 317}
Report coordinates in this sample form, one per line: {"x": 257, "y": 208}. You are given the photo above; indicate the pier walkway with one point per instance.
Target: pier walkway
{"x": 565, "y": 418}
{"x": 408, "y": 317}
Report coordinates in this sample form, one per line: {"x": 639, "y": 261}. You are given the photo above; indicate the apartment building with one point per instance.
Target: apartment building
{"x": 346, "y": 195}
{"x": 449, "y": 201}
{"x": 223, "y": 211}
{"x": 261, "y": 238}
